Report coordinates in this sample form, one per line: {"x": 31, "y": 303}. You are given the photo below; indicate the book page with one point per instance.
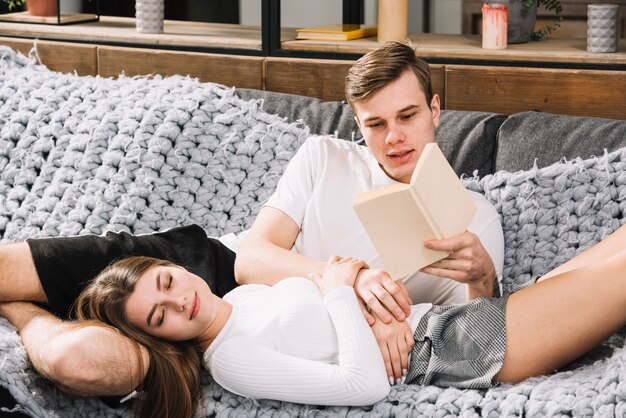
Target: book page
{"x": 443, "y": 197}
{"x": 398, "y": 229}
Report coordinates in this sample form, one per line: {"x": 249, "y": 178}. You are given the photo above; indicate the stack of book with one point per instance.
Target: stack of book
{"x": 337, "y": 32}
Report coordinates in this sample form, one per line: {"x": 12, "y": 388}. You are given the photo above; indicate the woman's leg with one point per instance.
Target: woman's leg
{"x": 556, "y": 321}
{"x": 610, "y": 245}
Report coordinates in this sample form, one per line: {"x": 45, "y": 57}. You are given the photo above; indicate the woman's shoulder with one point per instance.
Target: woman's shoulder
{"x": 241, "y": 292}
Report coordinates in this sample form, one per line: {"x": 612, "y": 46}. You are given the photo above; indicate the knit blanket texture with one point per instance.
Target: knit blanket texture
{"x": 84, "y": 155}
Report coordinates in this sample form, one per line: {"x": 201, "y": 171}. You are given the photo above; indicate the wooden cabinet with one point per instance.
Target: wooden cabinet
{"x": 555, "y": 75}
{"x": 230, "y": 70}
{"x": 509, "y": 90}
{"x": 323, "y": 79}
{"x": 59, "y": 56}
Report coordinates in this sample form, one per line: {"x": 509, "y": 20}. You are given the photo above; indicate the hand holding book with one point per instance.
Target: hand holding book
{"x": 399, "y": 218}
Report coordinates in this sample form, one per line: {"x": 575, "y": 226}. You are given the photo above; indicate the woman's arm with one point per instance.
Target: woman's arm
{"x": 357, "y": 378}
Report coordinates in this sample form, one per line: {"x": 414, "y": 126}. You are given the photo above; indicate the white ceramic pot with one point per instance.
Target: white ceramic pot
{"x": 149, "y": 14}
{"x": 602, "y": 27}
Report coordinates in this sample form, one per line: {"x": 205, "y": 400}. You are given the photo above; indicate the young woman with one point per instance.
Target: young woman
{"x": 306, "y": 340}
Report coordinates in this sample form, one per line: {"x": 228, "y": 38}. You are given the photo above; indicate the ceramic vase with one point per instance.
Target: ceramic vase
{"x": 602, "y": 27}
{"x": 149, "y": 14}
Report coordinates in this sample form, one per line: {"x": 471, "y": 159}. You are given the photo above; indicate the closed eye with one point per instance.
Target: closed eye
{"x": 169, "y": 283}
{"x": 162, "y": 317}
{"x": 407, "y": 116}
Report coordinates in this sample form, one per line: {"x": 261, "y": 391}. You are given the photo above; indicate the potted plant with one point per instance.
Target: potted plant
{"x": 522, "y": 18}
{"x": 35, "y": 7}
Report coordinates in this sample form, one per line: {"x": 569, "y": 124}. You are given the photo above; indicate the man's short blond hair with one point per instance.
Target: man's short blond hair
{"x": 382, "y": 66}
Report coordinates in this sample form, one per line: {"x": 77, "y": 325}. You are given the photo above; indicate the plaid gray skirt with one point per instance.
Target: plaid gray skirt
{"x": 460, "y": 345}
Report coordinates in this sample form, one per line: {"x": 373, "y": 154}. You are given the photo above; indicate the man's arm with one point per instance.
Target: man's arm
{"x": 265, "y": 255}
{"x": 84, "y": 360}
{"x": 18, "y": 277}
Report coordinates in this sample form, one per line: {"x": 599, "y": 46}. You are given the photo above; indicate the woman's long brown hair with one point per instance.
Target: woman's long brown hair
{"x": 172, "y": 383}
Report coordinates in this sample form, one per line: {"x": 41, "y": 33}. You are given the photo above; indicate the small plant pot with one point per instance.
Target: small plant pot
{"x": 42, "y": 7}
{"x": 521, "y": 22}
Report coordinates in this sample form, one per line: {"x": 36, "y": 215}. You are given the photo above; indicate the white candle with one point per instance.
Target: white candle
{"x": 495, "y": 22}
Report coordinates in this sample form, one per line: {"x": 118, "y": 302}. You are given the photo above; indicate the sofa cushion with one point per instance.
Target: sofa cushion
{"x": 551, "y": 214}
{"x": 543, "y": 138}
{"x": 467, "y": 139}
{"x": 323, "y": 118}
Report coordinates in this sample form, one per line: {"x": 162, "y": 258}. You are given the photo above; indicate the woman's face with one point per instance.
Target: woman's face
{"x": 171, "y": 303}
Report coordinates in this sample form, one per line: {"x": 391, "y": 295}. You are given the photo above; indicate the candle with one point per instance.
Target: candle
{"x": 393, "y": 20}
{"x": 495, "y": 21}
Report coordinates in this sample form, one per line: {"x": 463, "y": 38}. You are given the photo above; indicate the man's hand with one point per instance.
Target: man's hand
{"x": 382, "y": 295}
{"x": 395, "y": 341}
{"x": 339, "y": 272}
{"x": 468, "y": 262}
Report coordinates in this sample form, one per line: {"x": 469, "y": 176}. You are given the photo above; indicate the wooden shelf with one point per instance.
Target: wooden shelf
{"x": 177, "y": 34}
{"x": 121, "y": 30}
{"x": 468, "y": 47}
{"x": 554, "y": 75}
{"x": 24, "y": 17}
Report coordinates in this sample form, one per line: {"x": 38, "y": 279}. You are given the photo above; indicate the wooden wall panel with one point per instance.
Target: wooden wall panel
{"x": 509, "y": 90}
{"x": 64, "y": 57}
{"x": 323, "y": 79}
{"x": 438, "y": 77}
{"x": 230, "y": 70}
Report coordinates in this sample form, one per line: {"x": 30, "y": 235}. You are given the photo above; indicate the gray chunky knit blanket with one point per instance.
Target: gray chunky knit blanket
{"x": 86, "y": 154}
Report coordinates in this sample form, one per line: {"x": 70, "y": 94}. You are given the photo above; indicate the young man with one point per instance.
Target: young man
{"x": 310, "y": 216}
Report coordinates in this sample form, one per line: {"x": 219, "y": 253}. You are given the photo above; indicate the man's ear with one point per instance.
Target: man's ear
{"x": 435, "y": 107}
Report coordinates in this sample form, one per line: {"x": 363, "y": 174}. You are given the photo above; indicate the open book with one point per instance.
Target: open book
{"x": 398, "y": 218}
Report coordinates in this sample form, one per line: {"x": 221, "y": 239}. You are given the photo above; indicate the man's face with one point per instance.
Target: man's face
{"x": 397, "y": 123}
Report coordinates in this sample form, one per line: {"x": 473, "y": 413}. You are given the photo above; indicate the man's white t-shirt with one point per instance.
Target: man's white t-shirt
{"x": 317, "y": 190}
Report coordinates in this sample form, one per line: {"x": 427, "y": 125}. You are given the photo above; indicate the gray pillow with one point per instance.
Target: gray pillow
{"x": 467, "y": 139}
{"x": 322, "y": 118}
{"x": 546, "y": 138}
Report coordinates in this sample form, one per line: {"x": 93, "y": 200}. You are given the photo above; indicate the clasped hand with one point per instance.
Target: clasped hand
{"x": 340, "y": 271}
{"x": 394, "y": 337}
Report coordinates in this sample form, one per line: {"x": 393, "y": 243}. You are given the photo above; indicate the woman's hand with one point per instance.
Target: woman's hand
{"x": 395, "y": 341}
{"x": 340, "y": 271}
